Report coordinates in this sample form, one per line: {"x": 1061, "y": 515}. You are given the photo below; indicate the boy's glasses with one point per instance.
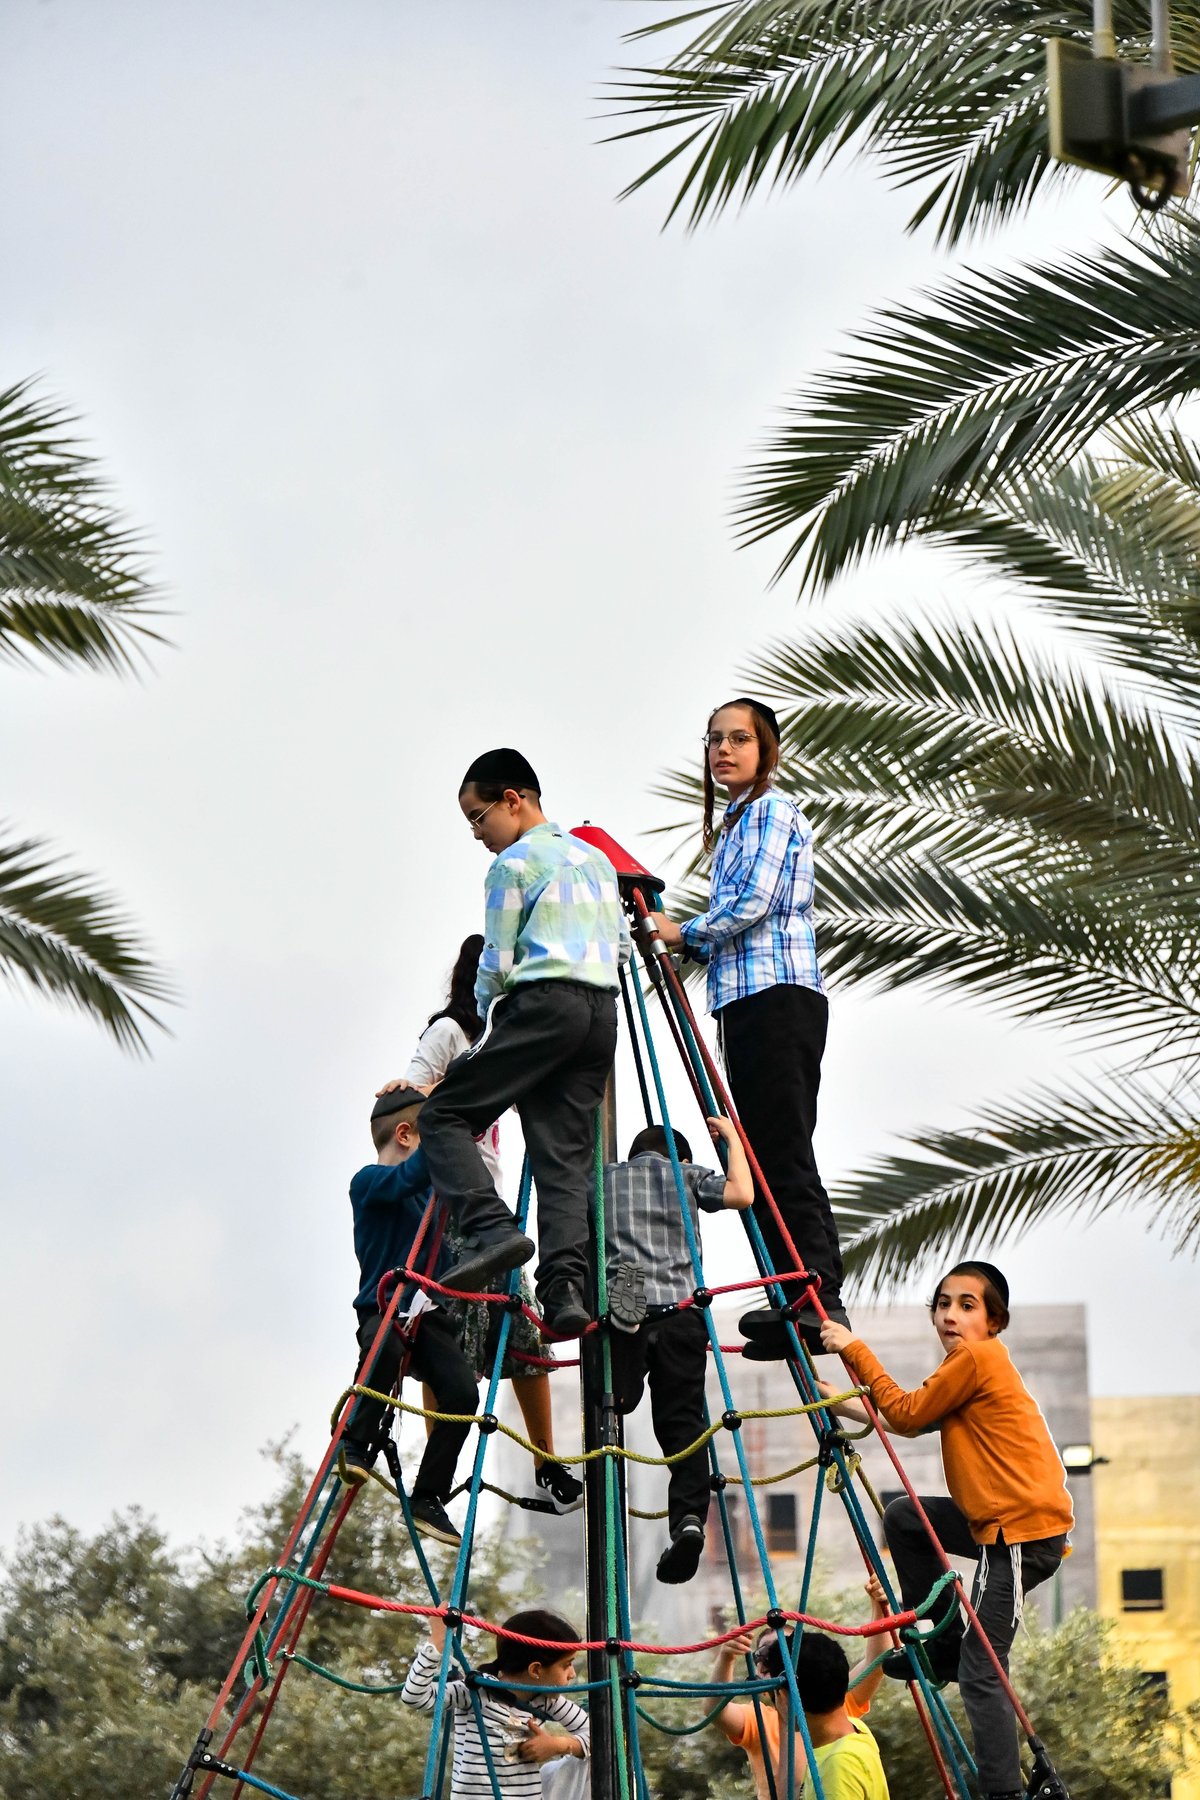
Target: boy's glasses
{"x": 737, "y": 740}
{"x": 475, "y": 820}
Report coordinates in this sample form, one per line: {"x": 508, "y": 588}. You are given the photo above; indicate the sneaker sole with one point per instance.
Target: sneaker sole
{"x": 561, "y": 1507}
{"x": 424, "y": 1529}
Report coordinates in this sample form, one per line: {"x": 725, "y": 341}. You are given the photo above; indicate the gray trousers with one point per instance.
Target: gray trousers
{"x": 994, "y": 1597}
{"x": 548, "y": 1052}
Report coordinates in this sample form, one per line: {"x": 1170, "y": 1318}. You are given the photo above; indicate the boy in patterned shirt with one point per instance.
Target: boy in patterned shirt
{"x": 554, "y": 939}
{"x": 650, "y": 1272}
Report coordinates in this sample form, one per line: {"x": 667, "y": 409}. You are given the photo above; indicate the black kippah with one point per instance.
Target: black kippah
{"x": 399, "y": 1100}
{"x": 971, "y": 1265}
{"x": 764, "y": 712}
{"x": 501, "y": 768}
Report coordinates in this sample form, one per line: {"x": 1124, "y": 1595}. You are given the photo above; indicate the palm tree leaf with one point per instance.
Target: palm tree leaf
{"x": 73, "y": 587}
{"x": 1073, "y": 1153}
{"x": 65, "y": 941}
{"x": 1000, "y": 371}
{"x": 955, "y": 98}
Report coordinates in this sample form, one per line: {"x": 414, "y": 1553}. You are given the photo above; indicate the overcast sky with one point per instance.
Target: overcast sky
{"x": 434, "y": 442}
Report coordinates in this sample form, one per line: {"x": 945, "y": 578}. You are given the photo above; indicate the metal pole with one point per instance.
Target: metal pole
{"x": 1160, "y": 37}
{"x": 601, "y": 1425}
{"x": 1104, "y": 38}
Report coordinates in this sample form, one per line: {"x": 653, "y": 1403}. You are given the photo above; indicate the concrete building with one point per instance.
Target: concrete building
{"x": 1049, "y": 1346}
{"x": 1147, "y": 1490}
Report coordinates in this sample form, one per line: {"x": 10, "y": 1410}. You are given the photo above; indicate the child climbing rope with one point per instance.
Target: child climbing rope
{"x": 650, "y": 1272}
{"x": 846, "y": 1754}
{"x": 547, "y": 985}
{"x": 389, "y": 1198}
{"x": 1008, "y": 1510}
{"x": 764, "y": 986}
{"x": 739, "y": 1720}
{"x": 514, "y": 1724}
{"x": 448, "y": 1035}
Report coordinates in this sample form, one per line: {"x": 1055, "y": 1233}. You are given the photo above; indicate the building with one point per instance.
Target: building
{"x": 1049, "y": 1345}
{"x": 1147, "y": 1494}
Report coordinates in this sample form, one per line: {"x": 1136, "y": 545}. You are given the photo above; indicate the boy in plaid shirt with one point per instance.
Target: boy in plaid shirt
{"x": 650, "y": 1272}
{"x": 555, "y": 937}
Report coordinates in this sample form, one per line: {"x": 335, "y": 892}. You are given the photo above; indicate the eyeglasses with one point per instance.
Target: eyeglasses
{"x": 475, "y": 820}
{"x": 737, "y": 740}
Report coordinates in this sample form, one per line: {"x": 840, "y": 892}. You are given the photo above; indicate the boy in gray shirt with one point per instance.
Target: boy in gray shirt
{"x": 650, "y": 1272}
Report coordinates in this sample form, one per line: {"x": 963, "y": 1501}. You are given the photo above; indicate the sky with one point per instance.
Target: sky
{"x": 433, "y": 443}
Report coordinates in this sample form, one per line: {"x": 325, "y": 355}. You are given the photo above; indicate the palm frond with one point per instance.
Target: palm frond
{"x": 67, "y": 942}
{"x": 949, "y": 97}
{"x": 73, "y": 586}
{"x": 1000, "y": 371}
{"x": 1074, "y": 1153}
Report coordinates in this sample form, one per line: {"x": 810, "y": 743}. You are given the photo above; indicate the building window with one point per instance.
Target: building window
{"x": 781, "y": 1524}
{"x": 1142, "y": 1590}
{"x": 715, "y": 1540}
{"x": 886, "y": 1496}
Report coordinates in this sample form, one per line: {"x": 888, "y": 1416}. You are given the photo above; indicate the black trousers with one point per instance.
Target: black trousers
{"x": 772, "y": 1043}
{"x": 989, "y": 1711}
{"x": 437, "y": 1357}
{"x": 672, "y": 1352}
{"x": 548, "y": 1053}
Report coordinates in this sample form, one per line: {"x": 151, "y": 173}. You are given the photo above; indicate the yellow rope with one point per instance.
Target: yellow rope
{"x": 586, "y": 1456}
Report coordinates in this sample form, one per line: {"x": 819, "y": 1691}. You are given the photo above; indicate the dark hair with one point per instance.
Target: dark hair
{"x": 653, "y": 1141}
{"x": 822, "y": 1669}
{"x": 995, "y": 1302}
{"x": 383, "y": 1129}
{"x": 460, "y": 1001}
{"x": 512, "y": 1656}
{"x": 767, "y": 733}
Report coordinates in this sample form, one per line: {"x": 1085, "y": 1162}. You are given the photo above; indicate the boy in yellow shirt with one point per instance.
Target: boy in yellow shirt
{"x": 847, "y": 1755}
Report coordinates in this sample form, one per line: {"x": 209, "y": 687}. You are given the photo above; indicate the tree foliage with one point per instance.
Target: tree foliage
{"x": 73, "y": 592}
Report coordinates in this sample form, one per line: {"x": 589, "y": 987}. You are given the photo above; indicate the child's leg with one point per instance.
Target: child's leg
{"x": 677, "y": 1359}
{"x": 558, "y": 1118}
{"x": 773, "y": 1043}
{"x": 536, "y": 1032}
{"x": 917, "y": 1563}
{"x": 988, "y": 1708}
{"x": 533, "y": 1398}
{"x": 437, "y": 1358}
{"x": 370, "y": 1422}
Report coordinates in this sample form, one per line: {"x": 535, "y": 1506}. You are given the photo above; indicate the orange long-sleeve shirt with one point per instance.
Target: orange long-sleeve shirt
{"x": 1002, "y": 1468}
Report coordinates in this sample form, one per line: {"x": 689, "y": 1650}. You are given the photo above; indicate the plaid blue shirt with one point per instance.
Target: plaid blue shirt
{"x": 552, "y": 912}
{"x": 758, "y": 930}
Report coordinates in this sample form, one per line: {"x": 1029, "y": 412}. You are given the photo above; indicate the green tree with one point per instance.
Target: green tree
{"x": 72, "y": 591}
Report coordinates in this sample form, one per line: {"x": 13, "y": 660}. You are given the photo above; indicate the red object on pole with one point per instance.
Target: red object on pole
{"x": 623, "y": 861}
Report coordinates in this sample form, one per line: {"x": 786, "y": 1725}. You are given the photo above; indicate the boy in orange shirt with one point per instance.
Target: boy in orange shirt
{"x": 1009, "y": 1508}
{"x": 738, "y": 1719}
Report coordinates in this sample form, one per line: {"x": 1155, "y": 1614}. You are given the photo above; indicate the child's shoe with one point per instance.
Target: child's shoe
{"x": 563, "y": 1311}
{"x": 555, "y": 1482}
{"x": 354, "y": 1463}
{"x": 488, "y": 1253}
{"x": 431, "y": 1520}
{"x": 627, "y": 1295}
{"x": 680, "y": 1560}
{"x": 940, "y": 1655}
{"x": 768, "y": 1338}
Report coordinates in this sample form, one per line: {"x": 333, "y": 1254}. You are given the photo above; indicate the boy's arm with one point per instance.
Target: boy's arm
{"x": 403, "y": 1181}
{"x": 739, "y": 1182}
{"x": 909, "y": 1413}
{"x": 503, "y": 910}
{"x": 731, "y": 1719}
{"x": 845, "y": 1409}
{"x": 863, "y": 1691}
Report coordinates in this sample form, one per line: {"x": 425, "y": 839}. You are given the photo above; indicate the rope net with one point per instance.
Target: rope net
{"x": 621, "y": 1674}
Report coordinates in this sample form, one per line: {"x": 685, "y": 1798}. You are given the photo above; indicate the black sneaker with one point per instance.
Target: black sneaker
{"x": 431, "y": 1520}
{"x": 555, "y": 1482}
{"x": 563, "y": 1311}
{"x": 769, "y": 1340}
{"x": 488, "y": 1253}
{"x": 940, "y": 1656}
{"x": 354, "y": 1464}
{"x": 627, "y": 1295}
{"x": 680, "y": 1560}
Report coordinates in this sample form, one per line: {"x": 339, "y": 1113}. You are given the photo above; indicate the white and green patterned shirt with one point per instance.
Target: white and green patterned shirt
{"x": 552, "y": 913}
